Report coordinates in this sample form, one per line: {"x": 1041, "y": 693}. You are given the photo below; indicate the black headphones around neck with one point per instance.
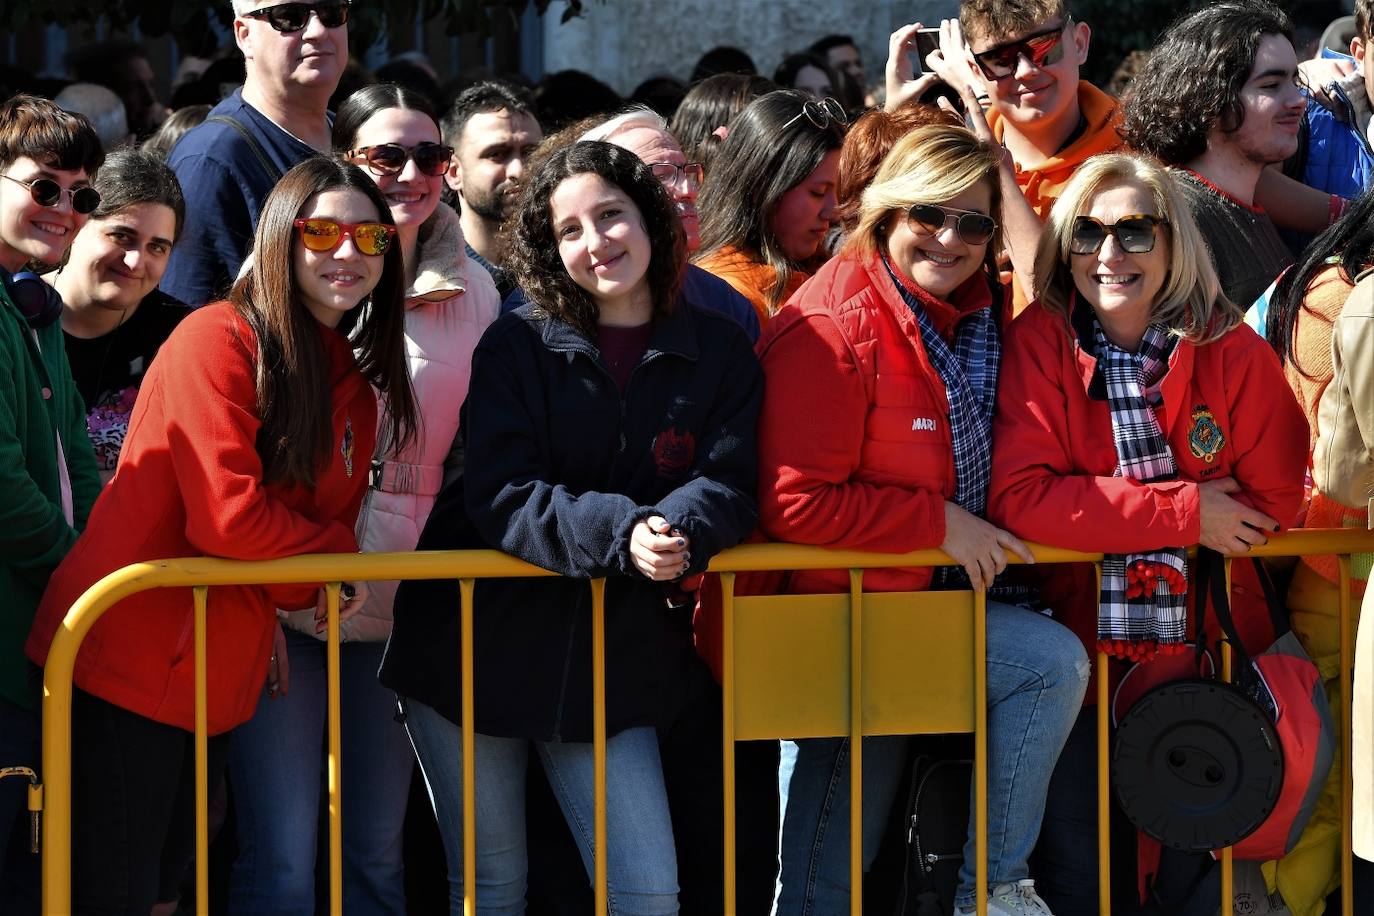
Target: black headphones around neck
{"x": 39, "y": 303}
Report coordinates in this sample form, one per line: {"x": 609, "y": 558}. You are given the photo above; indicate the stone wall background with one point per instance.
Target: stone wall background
{"x": 624, "y": 42}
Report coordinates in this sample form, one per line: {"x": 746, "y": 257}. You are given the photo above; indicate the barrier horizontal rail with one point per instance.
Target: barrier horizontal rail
{"x": 201, "y": 572}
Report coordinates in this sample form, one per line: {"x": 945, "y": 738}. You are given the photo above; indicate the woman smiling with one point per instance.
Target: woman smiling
{"x": 888, "y": 359}
{"x": 1136, "y": 416}
{"x": 609, "y": 433}
{"x": 114, "y": 318}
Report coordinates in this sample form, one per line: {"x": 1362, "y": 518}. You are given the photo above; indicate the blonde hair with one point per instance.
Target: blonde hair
{"x": 1190, "y": 303}
{"x": 931, "y": 164}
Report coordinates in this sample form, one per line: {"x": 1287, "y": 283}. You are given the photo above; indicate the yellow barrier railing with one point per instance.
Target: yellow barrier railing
{"x": 468, "y": 566}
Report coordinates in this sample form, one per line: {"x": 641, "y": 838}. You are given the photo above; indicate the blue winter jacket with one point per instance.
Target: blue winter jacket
{"x": 559, "y": 468}
{"x": 1339, "y": 158}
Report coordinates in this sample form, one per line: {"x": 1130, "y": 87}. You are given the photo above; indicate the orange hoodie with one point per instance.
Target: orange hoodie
{"x": 1043, "y": 183}
{"x": 751, "y": 278}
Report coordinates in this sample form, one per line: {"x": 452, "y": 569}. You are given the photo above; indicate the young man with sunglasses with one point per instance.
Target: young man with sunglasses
{"x": 47, "y": 466}
{"x": 1218, "y": 100}
{"x": 1026, "y": 54}
{"x": 294, "y": 54}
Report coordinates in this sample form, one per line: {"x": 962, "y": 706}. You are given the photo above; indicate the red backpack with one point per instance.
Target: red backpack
{"x": 1276, "y": 705}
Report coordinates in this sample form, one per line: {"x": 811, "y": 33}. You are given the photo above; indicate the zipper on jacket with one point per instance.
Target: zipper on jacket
{"x": 610, "y": 478}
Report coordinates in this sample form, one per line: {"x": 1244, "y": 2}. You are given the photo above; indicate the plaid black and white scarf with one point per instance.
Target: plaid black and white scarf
{"x": 969, "y": 371}
{"x": 1143, "y": 606}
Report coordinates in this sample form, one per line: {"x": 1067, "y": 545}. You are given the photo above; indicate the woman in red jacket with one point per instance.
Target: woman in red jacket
{"x": 875, "y": 435}
{"x": 1138, "y": 416}
{"x": 249, "y": 440}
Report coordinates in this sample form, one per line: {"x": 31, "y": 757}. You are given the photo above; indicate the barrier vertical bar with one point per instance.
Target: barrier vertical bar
{"x": 599, "y": 737}
{"x": 1228, "y": 893}
{"x": 1347, "y": 741}
{"x": 466, "y": 589}
{"x": 1104, "y": 775}
{"x": 856, "y": 742}
{"x": 201, "y": 596}
{"x": 980, "y": 751}
{"x": 727, "y": 719}
{"x": 331, "y": 598}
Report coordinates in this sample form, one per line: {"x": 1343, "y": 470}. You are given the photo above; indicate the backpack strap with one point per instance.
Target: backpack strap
{"x": 253, "y": 143}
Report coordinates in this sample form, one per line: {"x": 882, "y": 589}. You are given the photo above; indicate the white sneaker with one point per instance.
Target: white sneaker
{"x": 1018, "y": 899}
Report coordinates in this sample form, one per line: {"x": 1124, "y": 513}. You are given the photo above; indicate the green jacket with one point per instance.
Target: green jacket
{"x": 37, "y": 397}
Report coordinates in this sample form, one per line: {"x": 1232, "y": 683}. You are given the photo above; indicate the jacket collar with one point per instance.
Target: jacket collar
{"x": 438, "y": 274}
{"x": 674, "y": 333}
{"x": 945, "y": 314}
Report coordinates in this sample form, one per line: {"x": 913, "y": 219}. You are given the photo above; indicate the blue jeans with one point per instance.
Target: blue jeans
{"x": 275, "y": 769}
{"x": 1036, "y": 674}
{"x": 641, "y": 864}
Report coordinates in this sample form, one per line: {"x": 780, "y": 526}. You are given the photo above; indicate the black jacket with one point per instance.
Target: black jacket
{"x": 559, "y": 468}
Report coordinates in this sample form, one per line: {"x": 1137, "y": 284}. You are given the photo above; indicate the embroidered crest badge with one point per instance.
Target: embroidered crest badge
{"x": 1205, "y": 439}
{"x": 346, "y": 447}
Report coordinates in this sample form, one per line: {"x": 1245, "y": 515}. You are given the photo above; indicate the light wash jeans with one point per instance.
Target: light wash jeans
{"x": 276, "y": 763}
{"x": 641, "y": 864}
{"x": 1036, "y": 674}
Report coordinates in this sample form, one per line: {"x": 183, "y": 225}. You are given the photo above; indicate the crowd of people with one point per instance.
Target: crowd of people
{"x": 980, "y": 304}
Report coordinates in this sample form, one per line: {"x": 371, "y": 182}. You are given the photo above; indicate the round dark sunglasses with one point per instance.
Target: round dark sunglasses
{"x": 972, "y": 228}
{"x": 46, "y": 193}
{"x": 390, "y": 158}
{"x": 292, "y": 17}
{"x": 1135, "y": 233}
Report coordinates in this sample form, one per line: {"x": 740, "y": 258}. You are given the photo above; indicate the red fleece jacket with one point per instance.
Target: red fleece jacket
{"x": 189, "y": 483}
{"x": 1227, "y": 412}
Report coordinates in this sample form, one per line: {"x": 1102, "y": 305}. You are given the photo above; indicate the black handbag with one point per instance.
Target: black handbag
{"x": 937, "y": 815}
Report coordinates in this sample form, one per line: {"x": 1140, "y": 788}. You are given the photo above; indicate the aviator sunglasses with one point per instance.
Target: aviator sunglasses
{"x": 1134, "y": 233}
{"x": 292, "y": 17}
{"x": 1042, "y": 49}
{"x": 46, "y": 193}
{"x": 972, "y": 228}
{"x": 327, "y": 234}
{"x": 431, "y": 159}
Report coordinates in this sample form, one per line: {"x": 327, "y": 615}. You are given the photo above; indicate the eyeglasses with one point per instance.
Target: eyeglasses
{"x": 327, "y": 234}
{"x": 292, "y": 17}
{"x": 389, "y": 158}
{"x": 46, "y": 193}
{"x": 670, "y": 173}
{"x": 972, "y": 227}
{"x": 1134, "y": 233}
{"x": 821, "y": 114}
{"x": 1042, "y": 49}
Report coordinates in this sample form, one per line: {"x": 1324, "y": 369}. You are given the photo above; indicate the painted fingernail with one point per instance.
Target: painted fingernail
{"x": 681, "y": 542}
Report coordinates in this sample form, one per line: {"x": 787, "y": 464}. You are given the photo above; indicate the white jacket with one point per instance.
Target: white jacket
{"x": 449, "y": 306}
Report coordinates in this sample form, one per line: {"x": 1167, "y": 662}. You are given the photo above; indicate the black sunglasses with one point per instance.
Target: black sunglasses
{"x": 1135, "y": 233}
{"x": 292, "y": 17}
{"x": 1042, "y": 49}
{"x": 389, "y": 158}
{"x": 973, "y": 228}
{"x": 46, "y": 193}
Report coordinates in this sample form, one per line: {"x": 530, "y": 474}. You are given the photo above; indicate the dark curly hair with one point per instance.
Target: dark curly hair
{"x": 534, "y": 253}
{"x": 1193, "y": 78}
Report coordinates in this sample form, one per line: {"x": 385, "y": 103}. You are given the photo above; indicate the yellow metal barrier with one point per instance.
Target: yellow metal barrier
{"x": 861, "y": 714}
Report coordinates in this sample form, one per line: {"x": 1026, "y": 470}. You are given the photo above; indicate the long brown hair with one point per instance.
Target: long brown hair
{"x": 293, "y": 384}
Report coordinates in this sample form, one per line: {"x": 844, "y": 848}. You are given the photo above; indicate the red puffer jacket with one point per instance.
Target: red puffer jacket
{"x": 854, "y": 442}
{"x": 189, "y": 483}
{"x": 1227, "y": 412}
